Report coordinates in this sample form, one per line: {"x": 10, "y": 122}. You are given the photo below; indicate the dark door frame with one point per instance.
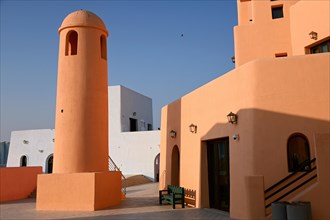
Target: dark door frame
{"x": 218, "y": 173}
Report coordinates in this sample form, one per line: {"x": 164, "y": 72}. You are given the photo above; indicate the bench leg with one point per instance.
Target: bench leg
{"x": 160, "y": 198}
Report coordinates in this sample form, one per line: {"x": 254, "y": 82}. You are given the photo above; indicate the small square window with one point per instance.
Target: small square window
{"x": 277, "y": 12}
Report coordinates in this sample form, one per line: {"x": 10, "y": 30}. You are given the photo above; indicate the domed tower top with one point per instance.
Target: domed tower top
{"x": 83, "y": 18}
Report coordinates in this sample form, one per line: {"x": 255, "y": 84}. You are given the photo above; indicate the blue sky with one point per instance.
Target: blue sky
{"x": 146, "y": 52}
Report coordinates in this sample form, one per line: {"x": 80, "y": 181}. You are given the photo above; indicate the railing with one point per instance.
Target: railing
{"x": 278, "y": 191}
{"x": 114, "y": 167}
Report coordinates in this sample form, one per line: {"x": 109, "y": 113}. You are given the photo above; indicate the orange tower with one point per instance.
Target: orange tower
{"x": 81, "y": 137}
{"x": 81, "y": 180}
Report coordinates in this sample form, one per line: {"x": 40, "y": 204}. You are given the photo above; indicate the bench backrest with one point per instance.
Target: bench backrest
{"x": 175, "y": 189}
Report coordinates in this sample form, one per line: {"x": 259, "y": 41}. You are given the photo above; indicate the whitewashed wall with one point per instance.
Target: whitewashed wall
{"x": 134, "y": 103}
{"x": 133, "y": 152}
{"x": 36, "y": 145}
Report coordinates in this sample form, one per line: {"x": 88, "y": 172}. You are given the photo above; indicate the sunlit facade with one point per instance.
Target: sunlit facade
{"x": 279, "y": 91}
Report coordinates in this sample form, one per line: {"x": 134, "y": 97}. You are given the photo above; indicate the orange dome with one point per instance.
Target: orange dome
{"x": 83, "y": 18}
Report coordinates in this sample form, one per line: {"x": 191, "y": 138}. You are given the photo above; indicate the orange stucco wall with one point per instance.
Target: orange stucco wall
{"x": 274, "y": 98}
{"x": 81, "y": 137}
{"x": 18, "y": 182}
{"x": 259, "y": 36}
{"x": 79, "y": 191}
{"x": 318, "y": 21}
{"x": 81, "y": 180}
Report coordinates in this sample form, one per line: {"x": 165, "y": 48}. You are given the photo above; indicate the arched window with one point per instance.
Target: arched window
{"x": 298, "y": 152}
{"x": 71, "y": 44}
{"x": 156, "y": 167}
{"x": 23, "y": 162}
{"x": 49, "y": 164}
{"x": 103, "y": 44}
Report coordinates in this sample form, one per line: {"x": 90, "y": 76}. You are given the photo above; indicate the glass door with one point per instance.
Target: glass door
{"x": 218, "y": 173}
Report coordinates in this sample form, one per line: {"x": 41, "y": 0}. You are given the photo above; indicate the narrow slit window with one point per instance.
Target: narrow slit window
{"x": 103, "y": 43}
{"x": 278, "y": 55}
{"x": 71, "y": 47}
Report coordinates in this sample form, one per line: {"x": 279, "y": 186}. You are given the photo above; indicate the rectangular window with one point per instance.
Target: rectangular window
{"x": 323, "y": 47}
{"x": 277, "y": 11}
{"x": 281, "y": 55}
{"x": 133, "y": 124}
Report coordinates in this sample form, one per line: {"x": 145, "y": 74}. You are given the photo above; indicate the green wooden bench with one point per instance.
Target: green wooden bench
{"x": 172, "y": 195}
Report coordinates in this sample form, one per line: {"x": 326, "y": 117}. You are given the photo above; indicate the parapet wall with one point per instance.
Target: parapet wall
{"x": 18, "y": 182}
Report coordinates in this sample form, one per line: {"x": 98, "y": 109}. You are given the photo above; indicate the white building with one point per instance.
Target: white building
{"x": 133, "y": 145}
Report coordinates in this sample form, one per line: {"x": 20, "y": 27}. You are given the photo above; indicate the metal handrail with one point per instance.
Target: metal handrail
{"x": 301, "y": 168}
{"x": 288, "y": 184}
{"x": 114, "y": 167}
{"x": 294, "y": 189}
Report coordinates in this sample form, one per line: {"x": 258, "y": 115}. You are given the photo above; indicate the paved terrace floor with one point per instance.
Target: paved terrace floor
{"x": 141, "y": 203}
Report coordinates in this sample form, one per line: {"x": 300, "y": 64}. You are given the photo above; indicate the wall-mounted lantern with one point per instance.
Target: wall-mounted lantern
{"x": 313, "y": 35}
{"x": 134, "y": 114}
{"x": 41, "y": 150}
{"x": 193, "y": 128}
{"x": 25, "y": 141}
{"x": 232, "y": 118}
{"x": 173, "y": 134}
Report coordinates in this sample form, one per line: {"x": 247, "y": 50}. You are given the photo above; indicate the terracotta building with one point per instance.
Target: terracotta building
{"x": 259, "y": 133}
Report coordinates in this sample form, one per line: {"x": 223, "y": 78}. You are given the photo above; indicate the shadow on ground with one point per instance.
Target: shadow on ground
{"x": 137, "y": 202}
{"x": 182, "y": 214}
{"x": 22, "y": 201}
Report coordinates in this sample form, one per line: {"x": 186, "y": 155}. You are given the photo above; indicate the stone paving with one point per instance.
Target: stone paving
{"x": 141, "y": 203}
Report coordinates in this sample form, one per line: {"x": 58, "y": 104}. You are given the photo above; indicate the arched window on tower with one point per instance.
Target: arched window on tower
{"x": 298, "y": 152}
{"x": 71, "y": 44}
{"x": 103, "y": 44}
{"x": 23, "y": 162}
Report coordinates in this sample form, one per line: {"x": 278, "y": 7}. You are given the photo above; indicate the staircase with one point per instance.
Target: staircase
{"x": 114, "y": 167}
{"x": 136, "y": 180}
{"x": 33, "y": 194}
{"x": 304, "y": 177}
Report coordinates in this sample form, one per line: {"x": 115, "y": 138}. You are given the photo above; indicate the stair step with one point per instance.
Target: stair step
{"x": 33, "y": 194}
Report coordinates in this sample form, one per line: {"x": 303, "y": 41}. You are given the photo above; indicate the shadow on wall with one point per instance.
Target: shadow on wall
{"x": 263, "y": 137}
{"x": 190, "y": 197}
{"x": 262, "y": 149}
{"x": 173, "y": 147}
